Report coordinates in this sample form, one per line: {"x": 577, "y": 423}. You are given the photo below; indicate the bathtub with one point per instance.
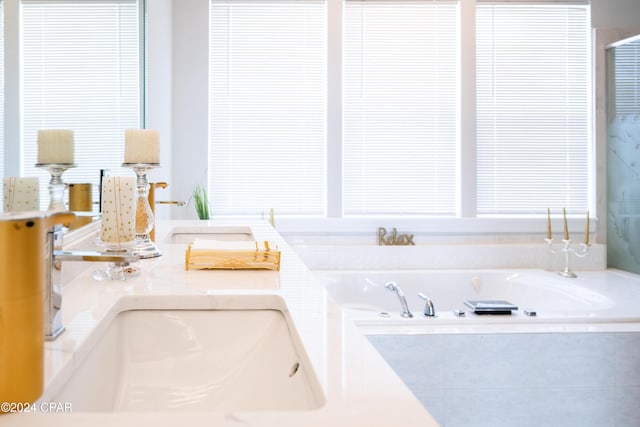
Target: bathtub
{"x": 606, "y": 296}
{"x": 576, "y": 363}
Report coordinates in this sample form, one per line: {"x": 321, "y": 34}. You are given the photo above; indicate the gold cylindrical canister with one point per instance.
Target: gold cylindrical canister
{"x": 23, "y": 255}
{"x": 80, "y": 201}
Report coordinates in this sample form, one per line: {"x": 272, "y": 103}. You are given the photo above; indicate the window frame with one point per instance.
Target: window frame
{"x": 565, "y": 8}
{"x": 466, "y": 221}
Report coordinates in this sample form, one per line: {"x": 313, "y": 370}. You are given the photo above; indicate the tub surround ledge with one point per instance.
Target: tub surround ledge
{"x": 349, "y": 256}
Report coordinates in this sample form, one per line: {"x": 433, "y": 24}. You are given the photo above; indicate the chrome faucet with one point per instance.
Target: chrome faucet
{"x": 429, "y": 310}
{"x": 393, "y": 286}
{"x": 53, "y": 326}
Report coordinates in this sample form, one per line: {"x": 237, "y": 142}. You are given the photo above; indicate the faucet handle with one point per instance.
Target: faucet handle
{"x": 429, "y": 309}
{"x": 393, "y": 287}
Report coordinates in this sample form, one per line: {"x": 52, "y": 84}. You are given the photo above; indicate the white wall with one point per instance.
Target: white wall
{"x": 615, "y": 14}
{"x": 159, "y": 93}
{"x": 177, "y": 66}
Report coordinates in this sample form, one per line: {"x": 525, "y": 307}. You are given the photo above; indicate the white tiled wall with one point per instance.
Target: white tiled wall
{"x": 370, "y": 257}
{"x": 511, "y": 380}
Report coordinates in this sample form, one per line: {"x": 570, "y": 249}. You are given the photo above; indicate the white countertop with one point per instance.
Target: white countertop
{"x": 358, "y": 387}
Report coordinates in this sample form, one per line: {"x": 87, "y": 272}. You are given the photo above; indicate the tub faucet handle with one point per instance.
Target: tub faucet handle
{"x": 429, "y": 310}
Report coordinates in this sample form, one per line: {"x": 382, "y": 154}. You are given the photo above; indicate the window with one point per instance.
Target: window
{"x": 533, "y": 108}
{"x": 400, "y": 125}
{"x": 625, "y": 84}
{"x": 81, "y": 63}
{"x": 402, "y": 139}
{"x": 267, "y": 106}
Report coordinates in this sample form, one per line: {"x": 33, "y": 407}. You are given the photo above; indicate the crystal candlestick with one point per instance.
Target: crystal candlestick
{"x": 568, "y": 251}
{"x": 56, "y": 186}
{"x": 144, "y": 247}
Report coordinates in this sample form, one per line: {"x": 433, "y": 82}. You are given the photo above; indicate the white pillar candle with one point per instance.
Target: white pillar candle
{"x": 21, "y": 194}
{"x": 141, "y": 146}
{"x": 55, "y": 146}
{"x": 118, "y": 209}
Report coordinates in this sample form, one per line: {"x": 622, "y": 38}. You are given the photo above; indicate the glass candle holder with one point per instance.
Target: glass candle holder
{"x": 56, "y": 185}
{"x": 568, "y": 250}
{"x": 144, "y": 247}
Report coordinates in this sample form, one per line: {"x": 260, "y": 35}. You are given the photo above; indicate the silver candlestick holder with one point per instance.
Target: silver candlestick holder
{"x": 56, "y": 185}
{"x": 568, "y": 250}
{"x": 144, "y": 247}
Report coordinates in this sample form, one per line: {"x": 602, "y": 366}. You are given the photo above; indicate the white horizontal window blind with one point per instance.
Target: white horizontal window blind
{"x": 267, "y": 88}
{"x": 81, "y": 63}
{"x": 626, "y": 84}
{"x": 400, "y": 118}
{"x": 533, "y": 108}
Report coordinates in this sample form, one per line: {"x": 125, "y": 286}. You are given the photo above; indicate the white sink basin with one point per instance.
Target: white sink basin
{"x": 195, "y": 360}
{"x": 188, "y": 234}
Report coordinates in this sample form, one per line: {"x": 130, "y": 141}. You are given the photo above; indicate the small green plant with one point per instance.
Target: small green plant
{"x": 202, "y": 201}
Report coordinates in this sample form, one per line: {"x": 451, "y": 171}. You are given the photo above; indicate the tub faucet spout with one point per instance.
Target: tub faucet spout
{"x": 429, "y": 310}
{"x": 393, "y": 286}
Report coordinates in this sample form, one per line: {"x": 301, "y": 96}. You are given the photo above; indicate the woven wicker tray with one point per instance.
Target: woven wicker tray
{"x": 263, "y": 258}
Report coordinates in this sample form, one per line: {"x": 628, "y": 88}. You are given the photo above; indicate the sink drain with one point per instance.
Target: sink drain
{"x": 294, "y": 369}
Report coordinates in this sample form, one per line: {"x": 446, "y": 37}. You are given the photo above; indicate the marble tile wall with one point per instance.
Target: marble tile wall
{"x": 623, "y": 156}
{"x": 512, "y": 380}
{"x": 623, "y": 193}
